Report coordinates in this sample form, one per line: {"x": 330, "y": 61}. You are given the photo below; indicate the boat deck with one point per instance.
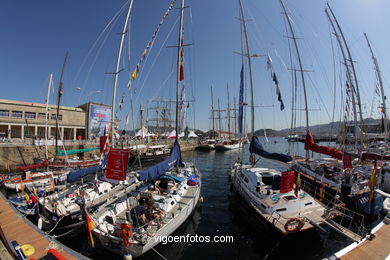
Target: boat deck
{"x": 153, "y": 229}
{"x": 377, "y": 248}
{"x": 16, "y": 227}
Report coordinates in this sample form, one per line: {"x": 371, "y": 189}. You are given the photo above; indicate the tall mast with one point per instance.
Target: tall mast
{"x": 47, "y": 113}
{"x": 116, "y": 73}
{"x": 219, "y": 119}
{"x": 59, "y": 99}
{"x": 179, "y": 51}
{"x": 247, "y": 54}
{"x": 142, "y": 120}
{"x": 379, "y": 76}
{"x": 349, "y": 77}
{"x": 353, "y": 69}
{"x": 235, "y": 118}
{"x": 212, "y": 111}
{"x": 228, "y": 109}
{"x": 300, "y": 69}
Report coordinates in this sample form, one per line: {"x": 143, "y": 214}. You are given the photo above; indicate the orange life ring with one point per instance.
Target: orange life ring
{"x": 126, "y": 233}
{"x": 298, "y": 226}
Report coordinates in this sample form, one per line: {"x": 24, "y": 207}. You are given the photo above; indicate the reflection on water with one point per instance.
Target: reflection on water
{"x": 223, "y": 214}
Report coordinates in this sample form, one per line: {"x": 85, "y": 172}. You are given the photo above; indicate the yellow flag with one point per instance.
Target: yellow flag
{"x": 372, "y": 183}
{"x": 144, "y": 53}
{"x": 27, "y": 198}
{"x": 134, "y": 75}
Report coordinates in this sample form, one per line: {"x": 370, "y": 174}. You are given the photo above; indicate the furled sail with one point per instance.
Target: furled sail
{"x": 154, "y": 172}
{"x": 312, "y": 146}
{"x": 257, "y": 148}
{"x": 75, "y": 175}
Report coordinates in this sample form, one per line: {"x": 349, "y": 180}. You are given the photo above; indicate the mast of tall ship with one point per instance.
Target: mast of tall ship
{"x": 228, "y": 110}
{"x": 116, "y": 73}
{"x": 47, "y": 114}
{"x": 379, "y": 76}
{"x": 179, "y": 67}
{"x": 300, "y": 69}
{"x": 349, "y": 77}
{"x": 59, "y": 100}
{"x": 354, "y": 74}
{"x": 247, "y": 54}
{"x": 212, "y": 111}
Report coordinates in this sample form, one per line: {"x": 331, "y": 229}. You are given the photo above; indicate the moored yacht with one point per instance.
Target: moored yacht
{"x": 209, "y": 144}
{"x": 271, "y": 194}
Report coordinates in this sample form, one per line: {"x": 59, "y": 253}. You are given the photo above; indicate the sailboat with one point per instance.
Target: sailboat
{"x": 231, "y": 143}
{"x": 171, "y": 189}
{"x": 339, "y": 172}
{"x": 269, "y": 192}
{"x": 209, "y": 144}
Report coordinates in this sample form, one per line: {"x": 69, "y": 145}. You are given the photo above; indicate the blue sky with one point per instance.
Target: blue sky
{"x": 36, "y": 35}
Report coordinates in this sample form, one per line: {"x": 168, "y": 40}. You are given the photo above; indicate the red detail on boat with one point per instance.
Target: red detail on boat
{"x": 312, "y": 146}
{"x": 287, "y": 182}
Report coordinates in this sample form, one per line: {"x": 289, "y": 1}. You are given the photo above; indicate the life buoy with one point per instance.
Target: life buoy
{"x": 126, "y": 233}
{"x": 296, "y": 223}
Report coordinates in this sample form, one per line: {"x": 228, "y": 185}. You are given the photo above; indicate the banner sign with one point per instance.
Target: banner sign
{"x": 99, "y": 119}
{"x": 117, "y": 164}
{"x": 287, "y": 182}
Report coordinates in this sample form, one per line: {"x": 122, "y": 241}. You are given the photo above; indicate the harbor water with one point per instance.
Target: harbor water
{"x": 222, "y": 214}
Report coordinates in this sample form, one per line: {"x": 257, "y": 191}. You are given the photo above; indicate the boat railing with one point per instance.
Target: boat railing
{"x": 337, "y": 215}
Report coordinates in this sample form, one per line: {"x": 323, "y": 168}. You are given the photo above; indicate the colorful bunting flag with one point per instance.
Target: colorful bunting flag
{"x": 151, "y": 41}
{"x": 121, "y": 102}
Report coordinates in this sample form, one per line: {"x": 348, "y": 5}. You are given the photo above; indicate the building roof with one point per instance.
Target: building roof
{"x": 33, "y": 104}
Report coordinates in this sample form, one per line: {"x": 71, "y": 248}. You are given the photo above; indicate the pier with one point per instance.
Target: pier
{"x": 375, "y": 246}
{"x": 15, "y": 226}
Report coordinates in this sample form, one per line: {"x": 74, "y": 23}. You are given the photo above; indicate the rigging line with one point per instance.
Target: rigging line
{"x": 95, "y": 58}
{"x": 258, "y": 28}
{"x": 154, "y": 62}
{"x": 320, "y": 97}
{"x": 334, "y": 71}
{"x": 97, "y": 40}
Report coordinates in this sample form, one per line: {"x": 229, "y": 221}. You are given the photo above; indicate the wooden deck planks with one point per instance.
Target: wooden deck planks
{"x": 15, "y": 227}
{"x": 378, "y": 248}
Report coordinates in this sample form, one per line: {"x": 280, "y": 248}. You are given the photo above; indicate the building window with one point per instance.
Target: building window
{"x": 4, "y": 113}
{"x": 17, "y": 114}
{"x": 42, "y": 116}
{"x": 54, "y": 117}
{"x": 30, "y": 115}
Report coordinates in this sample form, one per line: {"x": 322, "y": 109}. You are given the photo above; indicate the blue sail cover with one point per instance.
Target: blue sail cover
{"x": 154, "y": 172}
{"x": 257, "y": 148}
{"x": 241, "y": 101}
{"x": 75, "y": 175}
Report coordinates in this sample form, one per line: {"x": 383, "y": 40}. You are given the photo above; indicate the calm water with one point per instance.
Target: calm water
{"x": 222, "y": 214}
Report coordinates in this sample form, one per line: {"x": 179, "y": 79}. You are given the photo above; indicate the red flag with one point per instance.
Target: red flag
{"x": 103, "y": 144}
{"x": 117, "y": 164}
{"x": 181, "y": 72}
{"x": 181, "y": 64}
